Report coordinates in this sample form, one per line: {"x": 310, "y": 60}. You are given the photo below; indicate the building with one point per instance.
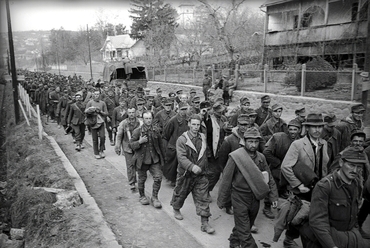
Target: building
{"x": 300, "y": 29}
{"x": 117, "y": 47}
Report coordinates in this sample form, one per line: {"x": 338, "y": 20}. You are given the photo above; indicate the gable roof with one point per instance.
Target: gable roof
{"x": 123, "y": 41}
{"x": 274, "y": 2}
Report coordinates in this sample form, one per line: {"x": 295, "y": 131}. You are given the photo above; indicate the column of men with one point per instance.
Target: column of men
{"x": 313, "y": 158}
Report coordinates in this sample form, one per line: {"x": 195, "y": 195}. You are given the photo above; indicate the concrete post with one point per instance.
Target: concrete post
{"x": 265, "y": 79}
{"x": 303, "y": 80}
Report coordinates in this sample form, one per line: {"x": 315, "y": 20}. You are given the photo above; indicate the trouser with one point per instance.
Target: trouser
{"x": 170, "y": 167}
{"x": 79, "y": 133}
{"x": 226, "y": 97}
{"x": 246, "y": 208}
{"x": 214, "y": 172}
{"x": 131, "y": 169}
{"x": 51, "y": 111}
{"x": 108, "y": 125}
{"x": 364, "y": 212}
{"x": 98, "y": 133}
{"x": 155, "y": 171}
{"x": 198, "y": 186}
{"x": 205, "y": 92}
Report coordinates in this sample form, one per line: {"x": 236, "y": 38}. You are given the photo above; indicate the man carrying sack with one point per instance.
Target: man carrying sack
{"x": 247, "y": 179}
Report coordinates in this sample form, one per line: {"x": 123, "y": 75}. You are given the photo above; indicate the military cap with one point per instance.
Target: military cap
{"x": 300, "y": 111}
{"x": 243, "y": 119}
{"x": 183, "y": 105}
{"x": 218, "y": 107}
{"x": 211, "y": 92}
{"x": 276, "y": 107}
{"x": 140, "y": 101}
{"x": 358, "y": 133}
{"x": 314, "y": 119}
{"x": 140, "y": 90}
{"x": 192, "y": 91}
{"x": 78, "y": 93}
{"x": 196, "y": 99}
{"x": 353, "y": 155}
{"x": 265, "y": 98}
{"x": 149, "y": 97}
{"x": 244, "y": 100}
{"x": 295, "y": 123}
{"x": 358, "y": 108}
{"x": 171, "y": 94}
{"x": 167, "y": 101}
{"x": 330, "y": 119}
{"x": 159, "y": 90}
{"x": 364, "y": 74}
{"x": 224, "y": 76}
{"x": 179, "y": 92}
{"x": 205, "y": 104}
{"x": 252, "y": 133}
{"x": 219, "y": 99}
{"x": 110, "y": 89}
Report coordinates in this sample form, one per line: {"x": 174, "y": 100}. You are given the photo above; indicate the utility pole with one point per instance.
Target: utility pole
{"x": 13, "y": 69}
{"x": 367, "y": 68}
{"x": 8, "y": 61}
{"x": 88, "y": 41}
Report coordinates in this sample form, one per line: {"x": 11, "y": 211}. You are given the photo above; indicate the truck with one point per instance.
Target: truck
{"x": 117, "y": 72}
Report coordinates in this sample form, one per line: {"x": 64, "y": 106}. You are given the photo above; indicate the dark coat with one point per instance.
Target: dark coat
{"x": 139, "y": 149}
{"x": 334, "y": 142}
{"x": 173, "y": 129}
{"x": 162, "y": 118}
{"x": 272, "y": 126}
{"x": 76, "y": 114}
{"x": 263, "y": 115}
{"x": 346, "y": 127}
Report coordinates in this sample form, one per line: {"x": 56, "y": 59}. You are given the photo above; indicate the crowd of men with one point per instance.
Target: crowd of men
{"x": 316, "y": 166}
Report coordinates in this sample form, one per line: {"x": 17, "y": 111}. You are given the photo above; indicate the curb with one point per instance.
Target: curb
{"x": 109, "y": 237}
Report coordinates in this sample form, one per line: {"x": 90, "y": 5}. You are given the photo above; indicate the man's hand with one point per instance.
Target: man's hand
{"x": 143, "y": 139}
{"x": 303, "y": 189}
{"x": 274, "y": 204}
{"x": 108, "y": 119}
{"x": 117, "y": 150}
{"x": 196, "y": 169}
{"x": 114, "y": 130}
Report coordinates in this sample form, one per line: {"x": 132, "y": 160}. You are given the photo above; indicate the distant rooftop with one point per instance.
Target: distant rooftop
{"x": 274, "y": 2}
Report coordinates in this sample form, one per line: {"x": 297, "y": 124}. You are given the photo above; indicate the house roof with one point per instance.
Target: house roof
{"x": 274, "y": 2}
{"x": 119, "y": 41}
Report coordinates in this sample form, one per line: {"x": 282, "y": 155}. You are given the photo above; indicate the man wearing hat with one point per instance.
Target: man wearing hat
{"x": 300, "y": 114}
{"x": 61, "y": 112}
{"x": 195, "y": 106}
{"x": 178, "y": 94}
{"x": 119, "y": 114}
{"x": 163, "y": 116}
{"x": 149, "y": 105}
{"x": 335, "y": 204}
{"x": 274, "y": 124}
{"x": 192, "y": 94}
{"x": 158, "y": 98}
{"x": 176, "y": 126}
{"x": 139, "y": 95}
{"x": 75, "y": 119}
{"x": 112, "y": 102}
{"x": 172, "y": 97}
{"x": 207, "y": 84}
{"x": 244, "y": 105}
{"x": 351, "y": 123}
{"x": 275, "y": 150}
{"x": 216, "y": 123}
{"x": 192, "y": 173}
{"x": 140, "y": 102}
{"x": 332, "y": 136}
{"x": 308, "y": 153}
{"x": 264, "y": 112}
{"x": 246, "y": 180}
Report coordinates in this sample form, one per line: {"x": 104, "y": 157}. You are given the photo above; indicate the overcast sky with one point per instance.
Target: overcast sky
{"x": 74, "y": 14}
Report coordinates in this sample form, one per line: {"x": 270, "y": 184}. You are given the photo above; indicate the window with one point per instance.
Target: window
{"x": 354, "y": 11}
{"x": 306, "y": 20}
{"x": 296, "y": 18}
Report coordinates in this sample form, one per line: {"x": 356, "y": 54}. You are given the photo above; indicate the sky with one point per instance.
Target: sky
{"x": 74, "y": 14}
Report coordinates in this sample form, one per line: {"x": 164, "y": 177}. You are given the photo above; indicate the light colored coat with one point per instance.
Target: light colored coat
{"x": 301, "y": 150}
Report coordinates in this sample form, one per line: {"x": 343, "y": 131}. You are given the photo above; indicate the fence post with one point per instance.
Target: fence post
{"x": 153, "y": 74}
{"x": 354, "y": 81}
{"x": 194, "y": 76}
{"x": 39, "y": 121}
{"x": 213, "y": 74}
{"x": 24, "y": 112}
{"x": 303, "y": 79}
{"x": 165, "y": 73}
{"x": 265, "y": 70}
{"x": 236, "y": 75}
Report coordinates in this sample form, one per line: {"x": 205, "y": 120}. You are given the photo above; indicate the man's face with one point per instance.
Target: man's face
{"x": 106, "y": 88}
{"x": 265, "y": 103}
{"x": 140, "y": 106}
{"x": 183, "y": 98}
{"x": 131, "y": 113}
{"x": 329, "y": 128}
{"x": 301, "y": 117}
{"x": 147, "y": 119}
{"x": 293, "y": 132}
{"x": 96, "y": 95}
{"x": 350, "y": 170}
{"x": 78, "y": 98}
{"x": 245, "y": 106}
{"x": 252, "y": 144}
{"x": 159, "y": 93}
{"x": 110, "y": 93}
{"x": 183, "y": 111}
{"x": 194, "y": 126}
{"x": 57, "y": 89}
{"x": 251, "y": 119}
{"x": 140, "y": 94}
{"x": 196, "y": 104}
{"x": 357, "y": 141}
{"x": 150, "y": 102}
{"x": 167, "y": 108}
{"x": 315, "y": 131}
{"x": 277, "y": 113}
{"x": 358, "y": 115}
{"x": 243, "y": 127}
{"x": 122, "y": 103}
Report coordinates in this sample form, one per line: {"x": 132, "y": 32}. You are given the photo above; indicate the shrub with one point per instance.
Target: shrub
{"x": 317, "y": 80}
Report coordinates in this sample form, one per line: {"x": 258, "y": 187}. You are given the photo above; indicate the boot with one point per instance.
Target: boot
{"x": 229, "y": 210}
{"x": 156, "y": 203}
{"x": 178, "y": 214}
{"x": 143, "y": 200}
{"x": 205, "y": 227}
{"x": 268, "y": 213}
{"x": 290, "y": 243}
